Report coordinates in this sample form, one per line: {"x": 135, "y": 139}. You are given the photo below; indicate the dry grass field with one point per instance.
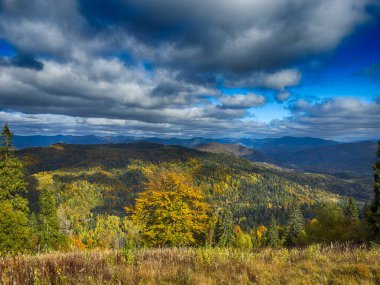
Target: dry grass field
{"x": 312, "y": 265}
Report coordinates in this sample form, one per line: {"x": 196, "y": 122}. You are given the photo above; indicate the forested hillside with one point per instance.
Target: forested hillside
{"x": 318, "y": 156}
{"x": 148, "y": 194}
{"x": 94, "y": 189}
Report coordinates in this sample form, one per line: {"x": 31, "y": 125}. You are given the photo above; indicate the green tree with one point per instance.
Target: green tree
{"x": 12, "y": 183}
{"x": 272, "y": 235}
{"x": 373, "y": 215}
{"x": 225, "y": 228}
{"x": 331, "y": 225}
{"x": 351, "y": 210}
{"x": 14, "y": 224}
{"x": 242, "y": 240}
{"x": 49, "y": 233}
{"x": 107, "y": 232}
{"x": 295, "y": 225}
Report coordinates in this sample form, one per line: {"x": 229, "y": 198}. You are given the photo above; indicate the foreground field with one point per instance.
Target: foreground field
{"x": 313, "y": 265}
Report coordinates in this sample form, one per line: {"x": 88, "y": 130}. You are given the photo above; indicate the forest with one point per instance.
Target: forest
{"x": 145, "y": 201}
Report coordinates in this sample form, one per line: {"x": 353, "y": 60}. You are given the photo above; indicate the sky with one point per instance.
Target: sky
{"x": 199, "y": 68}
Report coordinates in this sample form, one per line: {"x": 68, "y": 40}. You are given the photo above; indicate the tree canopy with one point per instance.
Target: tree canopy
{"x": 14, "y": 225}
{"x": 171, "y": 210}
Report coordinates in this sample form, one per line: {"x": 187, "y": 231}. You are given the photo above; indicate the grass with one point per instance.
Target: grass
{"x": 312, "y": 265}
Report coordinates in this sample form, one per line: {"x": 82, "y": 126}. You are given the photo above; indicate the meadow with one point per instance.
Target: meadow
{"x": 334, "y": 264}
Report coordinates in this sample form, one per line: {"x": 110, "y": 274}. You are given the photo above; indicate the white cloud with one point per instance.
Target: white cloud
{"x": 241, "y": 101}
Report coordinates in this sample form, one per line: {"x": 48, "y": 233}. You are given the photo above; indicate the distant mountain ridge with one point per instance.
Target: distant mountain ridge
{"x": 300, "y": 153}
{"x": 268, "y": 144}
{"x": 235, "y": 150}
{"x": 353, "y": 158}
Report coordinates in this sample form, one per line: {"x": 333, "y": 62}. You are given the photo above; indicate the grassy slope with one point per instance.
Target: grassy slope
{"x": 313, "y": 265}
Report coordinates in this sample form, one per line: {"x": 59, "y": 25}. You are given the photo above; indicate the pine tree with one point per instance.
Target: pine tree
{"x": 273, "y": 236}
{"x": 295, "y": 225}
{"x": 351, "y": 211}
{"x": 225, "y": 228}
{"x": 12, "y": 183}
{"x": 373, "y": 215}
{"x": 50, "y": 236}
{"x": 14, "y": 224}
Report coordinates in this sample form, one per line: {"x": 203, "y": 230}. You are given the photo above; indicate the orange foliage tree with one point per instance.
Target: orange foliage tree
{"x": 171, "y": 210}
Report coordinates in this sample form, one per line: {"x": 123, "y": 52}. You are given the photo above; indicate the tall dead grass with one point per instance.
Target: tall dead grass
{"x": 312, "y": 265}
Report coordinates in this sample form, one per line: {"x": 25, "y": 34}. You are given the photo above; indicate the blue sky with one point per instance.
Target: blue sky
{"x": 248, "y": 69}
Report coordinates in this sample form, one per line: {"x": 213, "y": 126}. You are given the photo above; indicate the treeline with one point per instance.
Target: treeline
{"x": 208, "y": 200}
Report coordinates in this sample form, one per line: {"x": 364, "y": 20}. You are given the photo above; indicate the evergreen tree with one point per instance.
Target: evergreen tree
{"x": 295, "y": 225}
{"x": 50, "y": 236}
{"x": 273, "y": 236}
{"x": 225, "y": 228}
{"x": 33, "y": 224}
{"x": 351, "y": 211}
{"x": 373, "y": 215}
{"x": 12, "y": 183}
{"x": 14, "y": 224}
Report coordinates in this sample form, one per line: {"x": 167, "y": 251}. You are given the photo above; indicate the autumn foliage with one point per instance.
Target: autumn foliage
{"x": 172, "y": 210}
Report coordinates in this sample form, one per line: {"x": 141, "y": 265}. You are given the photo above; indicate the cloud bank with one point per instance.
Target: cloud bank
{"x": 158, "y": 67}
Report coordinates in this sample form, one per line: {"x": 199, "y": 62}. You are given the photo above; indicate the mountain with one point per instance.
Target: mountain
{"x": 300, "y": 153}
{"x": 287, "y": 144}
{"x": 345, "y": 157}
{"x": 329, "y": 158}
{"x": 272, "y": 145}
{"x": 235, "y": 150}
{"x": 41, "y": 141}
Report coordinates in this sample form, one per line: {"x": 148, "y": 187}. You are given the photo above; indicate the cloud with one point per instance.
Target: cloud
{"x": 283, "y": 96}
{"x": 22, "y": 60}
{"x": 340, "y": 118}
{"x": 109, "y": 66}
{"x": 278, "y": 81}
{"x": 107, "y": 88}
{"x": 238, "y": 36}
{"x": 240, "y": 101}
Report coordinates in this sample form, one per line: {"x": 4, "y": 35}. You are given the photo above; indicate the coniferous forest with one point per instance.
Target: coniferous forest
{"x": 118, "y": 213}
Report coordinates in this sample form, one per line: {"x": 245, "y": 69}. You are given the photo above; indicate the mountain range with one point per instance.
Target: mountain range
{"x": 301, "y": 153}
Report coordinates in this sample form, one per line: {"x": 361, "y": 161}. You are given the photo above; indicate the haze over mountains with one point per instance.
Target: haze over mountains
{"x": 300, "y": 153}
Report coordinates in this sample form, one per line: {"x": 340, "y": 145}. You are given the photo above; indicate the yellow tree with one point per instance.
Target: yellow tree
{"x": 171, "y": 210}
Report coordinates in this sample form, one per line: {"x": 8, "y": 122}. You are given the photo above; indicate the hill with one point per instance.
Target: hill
{"x": 234, "y": 150}
{"x": 106, "y": 178}
{"x": 355, "y": 158}
{"x": 288, "y": 144}
{"x": 348, "y": 159}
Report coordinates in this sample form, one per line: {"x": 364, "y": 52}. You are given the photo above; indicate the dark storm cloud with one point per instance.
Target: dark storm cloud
{"x": 235, "y": 36}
